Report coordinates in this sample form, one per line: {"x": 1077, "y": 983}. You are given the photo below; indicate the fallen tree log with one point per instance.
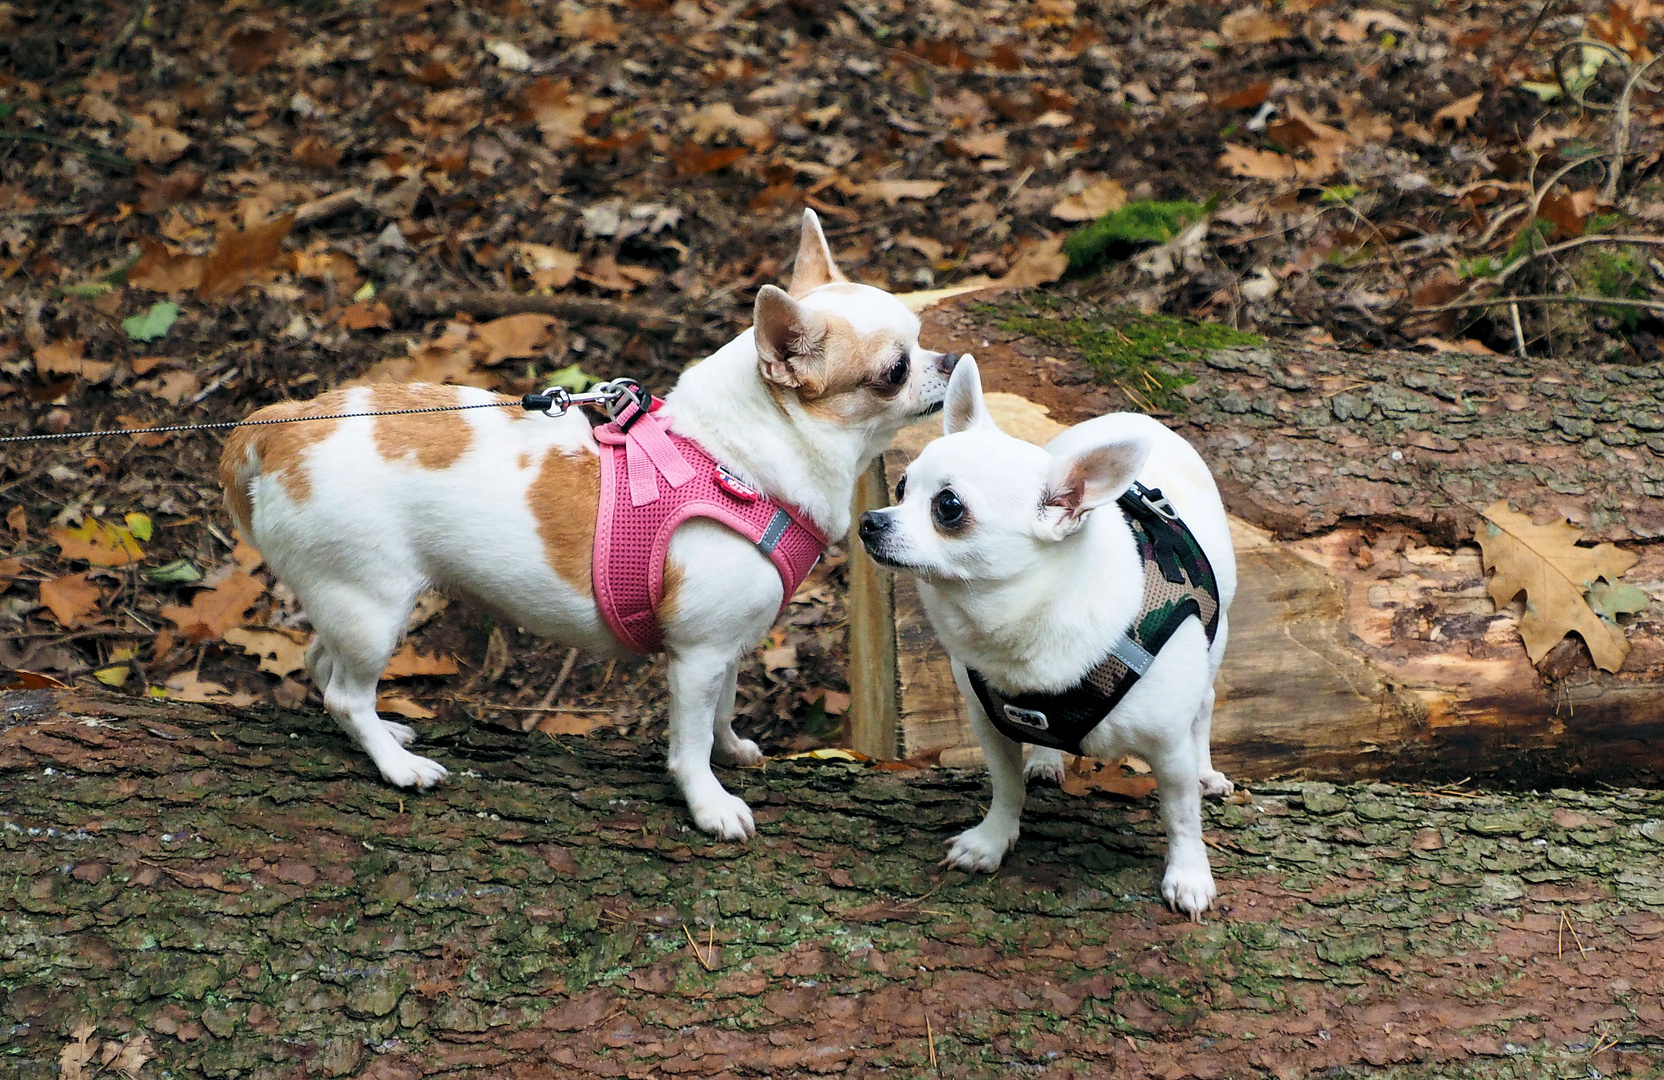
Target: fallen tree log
{"x": 1363, "y": 641}
{"x": 216, "y": 893}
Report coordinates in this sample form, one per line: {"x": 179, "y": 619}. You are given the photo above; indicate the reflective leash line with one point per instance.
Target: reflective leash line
{"x": 612, "y": 396}
{"x": 222, "y": 425}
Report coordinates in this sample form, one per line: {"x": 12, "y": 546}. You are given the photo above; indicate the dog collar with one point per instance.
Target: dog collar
{"x": 1178, "y": 584}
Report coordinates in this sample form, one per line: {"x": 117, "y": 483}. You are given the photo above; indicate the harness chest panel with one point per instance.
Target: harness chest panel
{"x": 1178, "y": 584}
{"x": 651, "y": 482}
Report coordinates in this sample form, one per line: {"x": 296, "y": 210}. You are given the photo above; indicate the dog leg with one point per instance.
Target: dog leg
{"x": 699, "y": 683}
{"x": 730, "y": 748}
{"x": 983, "y": 847}
{"x": 1214, "y": 782}
{"x": 357, "y": 632}
{"x": 1187, "y": 885}
{"x": 1044, "y": 763}
{"x": 321, "y": 666}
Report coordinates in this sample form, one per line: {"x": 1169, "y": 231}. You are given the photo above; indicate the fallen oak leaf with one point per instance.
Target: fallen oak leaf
{"x": 98, "y": 542}
{"x": 893, "y": 191}
{"x": 70, "y": 598}
{"x": 64, "y": 358}
{"x": 399, "y": 705}
{"x": 280, "y": 651}
{"x": 1039, "y": 264}
{"x": 1460, "y": 111}
{"x": 408, "y": 662}
{"x": 1092, "y": 203}
{"x": 241, "y": 256}
{"x": 163, "y": 271}
{"x": 514, "y": 337}
{"x": 134, "y": 1053}
{"x": 189, "y": 686}
{"x": 571, "y": 724}
{"x": 1545, "y": 563}
{"x": 212, "y": 612}
{"x": 1106, "y": 776}
{"x": 73, "y": 1058}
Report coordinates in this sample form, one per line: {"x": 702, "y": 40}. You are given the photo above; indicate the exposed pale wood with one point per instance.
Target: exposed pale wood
{"x": 872, "y": 640}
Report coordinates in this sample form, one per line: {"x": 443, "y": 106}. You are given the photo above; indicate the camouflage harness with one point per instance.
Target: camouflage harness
{"x": 1178, "y": 583}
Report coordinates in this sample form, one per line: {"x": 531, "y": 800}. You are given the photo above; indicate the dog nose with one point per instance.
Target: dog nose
{"x": 873, "y": 526}
{"x": 946, "y": 361}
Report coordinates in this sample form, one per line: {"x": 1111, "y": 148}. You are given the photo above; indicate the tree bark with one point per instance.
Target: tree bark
{"x": 1363, "y": 642}
{"x": 241, "y": 891}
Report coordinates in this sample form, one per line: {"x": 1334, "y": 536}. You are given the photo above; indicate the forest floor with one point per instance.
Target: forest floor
{"x": 205, "y": 208}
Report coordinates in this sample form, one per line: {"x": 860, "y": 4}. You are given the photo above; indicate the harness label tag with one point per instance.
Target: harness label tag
{"x": 1028, "y": 718}
{"x": 734, "y": 486}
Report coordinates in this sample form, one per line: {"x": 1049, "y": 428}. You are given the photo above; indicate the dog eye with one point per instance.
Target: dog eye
{"x": 901, "y": 488}
{"x": 898, "y": 372}
{"x": 946, "y": 508}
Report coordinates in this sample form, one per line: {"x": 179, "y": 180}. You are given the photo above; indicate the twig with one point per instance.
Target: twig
{"x": 930, "y": 1040}
{"x": 1620, "y": 137}
{"x": 697, "y": 955}
{"x": 1548, "y": 298}
{"x": 525, "y": 708}
{"x": 44, "y": 211}
{"x": 580, "y": 308}
{"x": 107, "y": 55}
{"x": 1530, "y": 32}
{"x": 86, "y": 151}
{"x": 535, "y": 716}
{"x": 328, "y": 206}
{"x": 1519, "y": 332}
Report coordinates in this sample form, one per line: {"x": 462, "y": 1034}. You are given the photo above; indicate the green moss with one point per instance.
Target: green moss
{"x": 1618, "y": 272}
{"x": 1118, "y": 233}
{"x": 1126, "y": 348}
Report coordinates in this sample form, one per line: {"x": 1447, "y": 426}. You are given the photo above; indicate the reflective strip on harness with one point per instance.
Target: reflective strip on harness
{"x": 777, "y": 527}
{"x": 1132, "y": 654}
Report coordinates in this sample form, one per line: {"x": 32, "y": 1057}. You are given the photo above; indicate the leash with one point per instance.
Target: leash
{"x": 614, "y": 397}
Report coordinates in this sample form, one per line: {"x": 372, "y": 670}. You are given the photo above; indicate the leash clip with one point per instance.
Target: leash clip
{"x": 614, "y": 397}
{"x": 1156, "y": 502}
{"x": 554, "y": 401}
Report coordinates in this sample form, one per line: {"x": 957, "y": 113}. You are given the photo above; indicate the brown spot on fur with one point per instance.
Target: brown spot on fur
{"x": 564, "y": 499}
{"x": 525, "y": 461}
{"x": 437, "y": 439}
{"x": 280, "y": 450}
{"x": 672, "y": 587}
{"x": 849, "y": 364}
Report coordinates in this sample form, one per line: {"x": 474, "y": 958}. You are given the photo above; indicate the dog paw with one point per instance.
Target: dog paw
{"x": 724, "y": 816}
{"x": 741, "y": 752}
{"x": 408, "y": 770}
{"x": 403, "y": 734}
{"x": 980, "y": 848}
{"x": 1215, "y": 783}
{"x": 1189, "y": 890}
{"x": 1044, "y": 764}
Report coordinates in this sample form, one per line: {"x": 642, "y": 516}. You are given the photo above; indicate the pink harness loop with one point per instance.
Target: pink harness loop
{"x": 632, "y": 535}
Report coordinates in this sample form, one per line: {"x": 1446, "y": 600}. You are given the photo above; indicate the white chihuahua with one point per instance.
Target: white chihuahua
{"x": 359, "y": 515}
{"x": 1080, "y": 611}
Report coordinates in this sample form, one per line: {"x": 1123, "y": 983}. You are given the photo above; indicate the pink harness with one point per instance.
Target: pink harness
{"x": 669, "y": 479}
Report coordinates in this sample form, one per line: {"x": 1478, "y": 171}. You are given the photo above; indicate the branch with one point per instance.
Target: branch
{"x": 495, "y": 304}
{"x": 97, "y": 155}
{"x": 1549, "y": 298}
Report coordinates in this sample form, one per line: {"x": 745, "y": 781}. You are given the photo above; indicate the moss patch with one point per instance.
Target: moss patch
{"x": 1141, "y": 354}
{"x": 1120, "y": 232}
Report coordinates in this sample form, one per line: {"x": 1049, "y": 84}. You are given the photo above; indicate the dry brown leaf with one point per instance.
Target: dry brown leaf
{"x": 98, "y": 542}
{"x": 1250, "y": 26}
{"x": 366, "y": 314}
{"x": 1039, "y": 264}
{"x": 694, "y": 160}
{"x": 164, "y": 271}
{"x": 162, "y": 191}
{"x": 189, "y": 686}
{"x": 171, "y": 386}
{"x": 590, "y": 24}
{"x": 1466, "y": 345}
{"x": 212, "y": 612}
{"x": 134, "y": 1053}
{"x": 280, "y": 651}
{"x": 924, "y": 245}
{"x": 408, "y": 662}
{"x": 1087, "y": 775}
{"x": 990, "y": 144}
{"x": 73, "y": 1058}
{"x": 70, "y": 598}
{"x": 606, "y": 272}
{"x": 1460, "y": 111}
{"x": 1092, "y": 203}
{"x": 780, "y": 657}
{"x": 570, "y": 724}
{"x": 399, "y": 705}
{"x": 516, "y": 337}
{"x": 721, "y": 119}
{"x": 893, "y": 191}
{"x": 241, "y": 257}
{"x": 1545, "y": 563}
{"x": 559, "y": 114}
{"x": 148, "y": 141}
{"x": 64, "y": 358}
{"x": 549, "y": 267}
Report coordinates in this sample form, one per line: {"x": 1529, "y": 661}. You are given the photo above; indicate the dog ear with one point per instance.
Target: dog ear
{"x": 814, "y": 266}
{"x": 1081, "y": 482}
{"x": 962, "y": 407}
{"x": 788, "y": 341}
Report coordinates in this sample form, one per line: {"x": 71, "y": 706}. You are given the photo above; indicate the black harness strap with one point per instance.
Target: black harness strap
{"x": 1178, "y": 584}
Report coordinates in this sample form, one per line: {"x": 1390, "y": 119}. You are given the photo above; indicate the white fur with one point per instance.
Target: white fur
{"x": 373, "y": 533}
{"x": 1037, "y": 587}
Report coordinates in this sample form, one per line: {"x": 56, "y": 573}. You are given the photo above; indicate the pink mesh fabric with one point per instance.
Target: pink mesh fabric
{"x": 651, "y": 482}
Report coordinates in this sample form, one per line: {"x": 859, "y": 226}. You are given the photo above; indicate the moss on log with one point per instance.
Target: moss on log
{"x": 240, "y": 890}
